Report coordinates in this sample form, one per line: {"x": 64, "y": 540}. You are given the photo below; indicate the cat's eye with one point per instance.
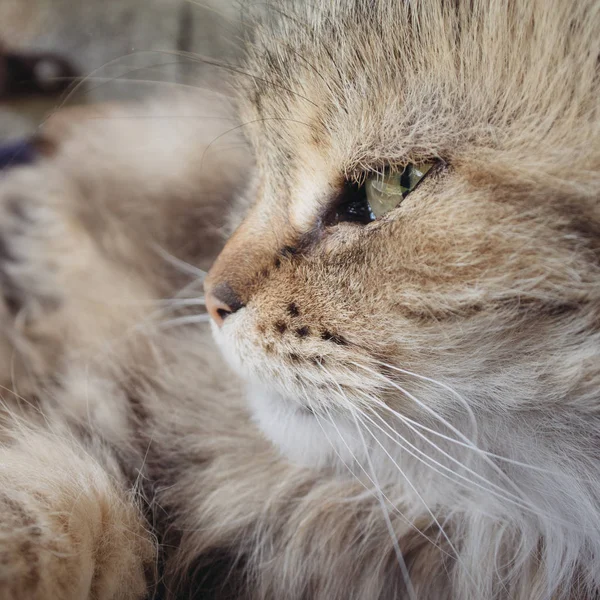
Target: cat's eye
{"x": 379, "y": 194}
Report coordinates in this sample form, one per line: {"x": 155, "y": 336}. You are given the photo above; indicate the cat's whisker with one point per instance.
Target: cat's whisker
{"x": 469, "y": 446}
{"x": 408, "y": 422}
{"x": 357, "y": 419}
{"x": 124, "y": 77}
{"x": 237, "y": 127}
{"x": 501, "y": 492}
{"x": 408, "y": 521}
{"x": 446, "y": 471}
{"x": 179, "y": 302}
{"x": 315, "y": 412}
{"x": 181, "y": 265}
{"x": 386, "y": 515}
{"x": 444, "y": 386}
{"x": 369, "y": 490}
{"x": 186, "y": 320}
{"x": 357, "y": 462}
{"x": 189, "y": 56}
{"x": 447, "y": 424}
{"x": 518, "y": 498}
{"x": 478, "y": 450}
{"x": 82, "y": 80}
{"x": 159, "y": 82}
{"x": 136, "y": 484}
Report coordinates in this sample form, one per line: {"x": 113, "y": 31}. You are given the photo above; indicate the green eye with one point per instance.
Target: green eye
{"x": 385, "y": 192}
{"x": 378, "y": 195}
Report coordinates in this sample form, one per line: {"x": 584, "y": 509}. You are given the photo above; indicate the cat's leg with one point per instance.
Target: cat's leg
{"x": 68, "y": 529}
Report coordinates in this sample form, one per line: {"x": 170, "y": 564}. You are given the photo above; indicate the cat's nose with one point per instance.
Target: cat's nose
{"x": 222, "y": 301}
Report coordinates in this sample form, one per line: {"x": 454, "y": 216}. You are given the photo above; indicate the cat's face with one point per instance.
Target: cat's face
{"x": 475, "y": 298}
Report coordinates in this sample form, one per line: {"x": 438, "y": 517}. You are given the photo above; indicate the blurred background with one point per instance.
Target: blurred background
{"x": 122, "y": 49}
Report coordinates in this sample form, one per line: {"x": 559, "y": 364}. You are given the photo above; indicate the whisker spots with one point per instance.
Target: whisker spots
{"x": 335, "y": 338}
{"x": 302, "y": 332}
{"x": 293, "y": 309}
{"x": 280, "y": 327}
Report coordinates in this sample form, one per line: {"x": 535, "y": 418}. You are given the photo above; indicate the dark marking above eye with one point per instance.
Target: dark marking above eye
{"x": 302, "y": 331}
{"x": 293, "y": 309}
{"x": 294, "y": 357}
{"x": 277, "y": 263}
{"x": 335, "y": 338}
{"x": 281, "y": 327}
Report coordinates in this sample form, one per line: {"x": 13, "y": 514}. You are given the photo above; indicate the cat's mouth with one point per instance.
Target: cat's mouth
{"x": 288, "y": 415}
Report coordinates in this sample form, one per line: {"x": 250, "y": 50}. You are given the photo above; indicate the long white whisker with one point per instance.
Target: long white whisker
{"x": 516, "y": 499}
{"x": 444, "y": 386}
{"x": 381, "y": 496}
{"x": 449, "y": 474}
{"x": 177, "y": 302}
{"x": 445, "y": 422}
{"x": 377, "y": 491}
{"x": 469, "y": 444}
{"x": 370, "y": 490}
{"x": 405, "y": 573}
{"x": 356, "y": 418}
{"x": 186, "y": 320}
{"x": 522, "y": 501}
{"x": 329, "y": 440}
{"x": 178, "y": 263}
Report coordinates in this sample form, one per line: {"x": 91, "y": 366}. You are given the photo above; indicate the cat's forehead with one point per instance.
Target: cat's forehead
{"x": 350, "y": 88}
{"x": 335, "y": 82}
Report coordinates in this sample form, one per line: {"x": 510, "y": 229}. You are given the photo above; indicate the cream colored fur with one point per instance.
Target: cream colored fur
{"x": 413, "y": 406}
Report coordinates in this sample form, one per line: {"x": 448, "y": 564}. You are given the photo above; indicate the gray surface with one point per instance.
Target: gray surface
{"x": 125, "y": 48}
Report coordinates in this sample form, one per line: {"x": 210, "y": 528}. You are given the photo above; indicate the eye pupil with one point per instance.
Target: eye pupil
{"x": 353, "y": 205}
{"x": 405, "y": 179}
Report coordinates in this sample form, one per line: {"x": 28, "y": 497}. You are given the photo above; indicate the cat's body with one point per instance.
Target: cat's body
{"x": 436, "y": 370}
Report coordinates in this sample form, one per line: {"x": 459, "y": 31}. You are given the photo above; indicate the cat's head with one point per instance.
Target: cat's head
{"x": 472, "y": 300}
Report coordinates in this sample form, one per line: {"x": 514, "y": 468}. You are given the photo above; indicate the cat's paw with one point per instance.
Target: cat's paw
{"x": 67, "y": 532}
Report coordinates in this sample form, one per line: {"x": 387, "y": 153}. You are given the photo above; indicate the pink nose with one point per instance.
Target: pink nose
{"x": 221, "y": 301}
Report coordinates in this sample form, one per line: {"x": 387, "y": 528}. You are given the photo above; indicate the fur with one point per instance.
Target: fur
{"x": 411, "y": 406}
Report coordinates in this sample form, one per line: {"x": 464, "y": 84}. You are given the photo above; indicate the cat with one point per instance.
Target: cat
{"x": 407, "y": 303}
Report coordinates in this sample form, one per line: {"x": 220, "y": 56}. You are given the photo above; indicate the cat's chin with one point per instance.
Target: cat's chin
{"x": 286, "y": 421}
{"x": 297, "y": 433}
